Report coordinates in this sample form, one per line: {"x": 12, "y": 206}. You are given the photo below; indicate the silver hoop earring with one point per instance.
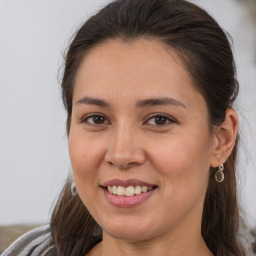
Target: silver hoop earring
{"x": 219, "y": 175}
{"x": 73, "y": 189}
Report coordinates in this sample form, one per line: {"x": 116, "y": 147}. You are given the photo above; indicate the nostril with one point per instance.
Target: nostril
{"x": 123, "y": 165}
{"x": 125, "y": 157}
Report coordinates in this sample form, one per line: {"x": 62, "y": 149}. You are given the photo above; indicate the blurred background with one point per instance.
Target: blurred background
{"x": 34, "y": 161}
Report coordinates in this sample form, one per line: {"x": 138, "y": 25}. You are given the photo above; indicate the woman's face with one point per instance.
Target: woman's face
{"x": 140, "y": 130}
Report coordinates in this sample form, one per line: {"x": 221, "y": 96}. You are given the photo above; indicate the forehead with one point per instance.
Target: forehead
{"x": 140, "y": 68}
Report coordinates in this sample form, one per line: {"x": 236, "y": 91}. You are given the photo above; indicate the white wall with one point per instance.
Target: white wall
{"x": 33, "y": 147}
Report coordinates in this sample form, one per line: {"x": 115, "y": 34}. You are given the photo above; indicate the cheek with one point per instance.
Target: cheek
{"x": 184, "y": 170}
{"x": 183, "y": 161}
{"x": 86, "y": 157}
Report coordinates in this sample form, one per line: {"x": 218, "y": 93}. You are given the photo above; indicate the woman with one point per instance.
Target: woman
{"x": 149, "y": 87}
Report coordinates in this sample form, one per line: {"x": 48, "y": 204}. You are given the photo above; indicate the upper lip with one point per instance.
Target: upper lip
{"x": 126, "y": 183}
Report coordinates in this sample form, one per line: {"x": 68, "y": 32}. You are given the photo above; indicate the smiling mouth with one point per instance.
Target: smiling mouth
{"x": 129, "y": 190}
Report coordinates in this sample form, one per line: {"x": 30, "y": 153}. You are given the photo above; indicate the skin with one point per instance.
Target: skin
{"x": 128, "y": 142}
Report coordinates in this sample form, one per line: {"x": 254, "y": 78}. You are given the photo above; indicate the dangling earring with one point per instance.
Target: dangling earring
{"x": 219, "y": 175}
{"x": 73, "y": 189}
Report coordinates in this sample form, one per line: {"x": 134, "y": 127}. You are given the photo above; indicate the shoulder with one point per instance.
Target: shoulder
{"x": 37, "y": 242}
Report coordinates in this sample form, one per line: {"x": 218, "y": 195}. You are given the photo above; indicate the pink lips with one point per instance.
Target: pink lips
{"x": 127, "y": 201}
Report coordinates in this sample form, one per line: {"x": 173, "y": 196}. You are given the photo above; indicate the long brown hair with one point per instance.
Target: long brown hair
{"x": 206, "y": 53}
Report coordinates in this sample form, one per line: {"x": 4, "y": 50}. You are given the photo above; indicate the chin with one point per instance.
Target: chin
{"x": 127, "y": 230}
{"x": 129, "y": 235}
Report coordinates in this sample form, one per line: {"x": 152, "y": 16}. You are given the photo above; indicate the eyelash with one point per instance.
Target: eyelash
{"x": 166, "y": 118}
{"x": 86, "y": 118}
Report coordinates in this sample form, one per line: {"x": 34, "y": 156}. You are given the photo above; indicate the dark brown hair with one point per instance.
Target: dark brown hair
{"x": 206, "y": 53}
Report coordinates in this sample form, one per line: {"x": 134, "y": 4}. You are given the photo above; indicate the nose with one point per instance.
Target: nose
{"x": 124, "y": 150}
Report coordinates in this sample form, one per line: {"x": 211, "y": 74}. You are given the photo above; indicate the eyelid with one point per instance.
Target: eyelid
{"x": 86, "y": 117}
{"x": 169, "y": 118}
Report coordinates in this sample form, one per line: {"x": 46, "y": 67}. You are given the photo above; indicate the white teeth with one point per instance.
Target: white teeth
{"x": 120, "y": 191}
{"x": 128, "y": 191}
{"x": 114, "y": 188}
{"x": 144, "y": 189}
{"x": 137, "y": 190}
{"x": 110, "y": 189}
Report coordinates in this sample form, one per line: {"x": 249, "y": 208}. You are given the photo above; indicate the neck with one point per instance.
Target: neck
{"x": 188, "y": 245}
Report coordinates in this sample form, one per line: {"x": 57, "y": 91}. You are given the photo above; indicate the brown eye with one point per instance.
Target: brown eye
{"x": 96, "y": 119}
{"x": 160, "y": 120}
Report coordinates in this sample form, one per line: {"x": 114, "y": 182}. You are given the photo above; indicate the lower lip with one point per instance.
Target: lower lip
{"x": 127, "y": 201}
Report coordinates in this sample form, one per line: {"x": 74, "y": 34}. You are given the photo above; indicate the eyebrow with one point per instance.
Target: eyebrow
{"x": 93, "y": 101}
{"x": 139, "y": 104}
{"x": 159, "y": 101}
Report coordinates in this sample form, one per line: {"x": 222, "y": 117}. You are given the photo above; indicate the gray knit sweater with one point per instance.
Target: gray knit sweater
{"x": 37, "y": 242}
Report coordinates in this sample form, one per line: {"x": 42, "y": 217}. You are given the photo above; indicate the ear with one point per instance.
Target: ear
{"x": 224, "y": 138}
